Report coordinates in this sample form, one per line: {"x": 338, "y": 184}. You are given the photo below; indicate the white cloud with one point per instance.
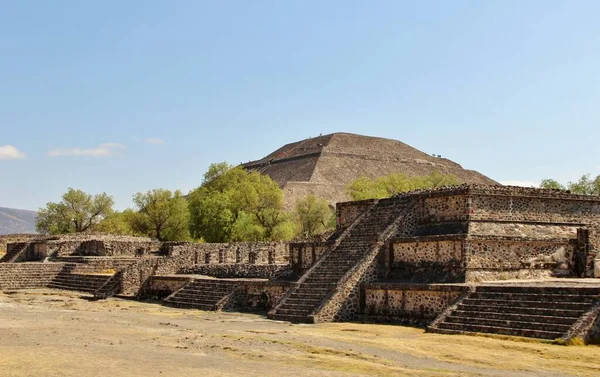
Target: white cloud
{"x": 9, "y": 152}
{"x": 154, "y": 140}
{"x": 103, "y": 150}
{"x": 521, "y": 183}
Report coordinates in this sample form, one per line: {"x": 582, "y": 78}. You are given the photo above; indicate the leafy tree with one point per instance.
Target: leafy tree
{"x": 584, "y": 186}
{"x": 314, "y": 216}
{"x": 76, "y": 212}
{"x": 551, "y": 184}
{"x": 392, "y": 184}
{"x": 162, "y": 214}
{"x": 234, "y": 204}
{"x": 126, "y": 222}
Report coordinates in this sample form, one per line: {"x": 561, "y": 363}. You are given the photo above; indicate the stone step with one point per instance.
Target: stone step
{"x": 522, "y": 310}
{"x": 533, "y": 297}
{"x": 211, "y": 295}
{"x": 500, "y": 330}
{"x": 527, "y": 304}
{"x": 188, "y": 305}
{"x": 539, "y": 290}
{"x": 546, "y": 326}
{"x": 515, "y": 317}
{"x": 208, "y": 289}
{"x": 71, "y": 288}
{"x": 291, "y": 318}
{"x": 193, "y": 301}
{"x": 293, "y": 312}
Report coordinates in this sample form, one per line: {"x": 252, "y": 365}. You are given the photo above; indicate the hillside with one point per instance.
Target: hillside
{"x": 17, "y": 221}
{"x": 326, "y": 164}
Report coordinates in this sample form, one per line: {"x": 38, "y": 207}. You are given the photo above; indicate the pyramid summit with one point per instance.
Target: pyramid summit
{"x": 325, "y": 165}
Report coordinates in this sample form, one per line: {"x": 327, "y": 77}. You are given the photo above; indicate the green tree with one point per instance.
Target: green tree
{"x": 76, "y": 212}
{"x": 162, "y": 214}
{"x": 392, "y": 184}
{"x": 126, "y": 222}
{"x": 314, "y": 216}
{"x": 552, "y": 184}
{"x": 584, "y": 186}
{"x": 234, "y": 204}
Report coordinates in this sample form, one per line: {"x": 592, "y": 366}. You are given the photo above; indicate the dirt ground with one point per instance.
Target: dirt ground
{"x": 60, "y": 333}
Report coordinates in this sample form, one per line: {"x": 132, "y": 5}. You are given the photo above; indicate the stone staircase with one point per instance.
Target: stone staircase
{"x": 322, "y": 279}
{"x": 14, "y": 254}
{"x": 203, "y": 294}
{"x": 28, "y": 275}
{"x": 533, "y": 312}
{"x": 87, "y": 282}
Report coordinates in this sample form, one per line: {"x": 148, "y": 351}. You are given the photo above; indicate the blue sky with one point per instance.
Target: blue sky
{"x": 122, "y": 97}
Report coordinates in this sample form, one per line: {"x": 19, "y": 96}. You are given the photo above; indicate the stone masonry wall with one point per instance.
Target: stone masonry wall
{"x": 242, "y": 270}
{"x": 445, "y": 208}
{"x": 28, "y": 275}
{"x": 259, "y": 296}
{"x": 163, "y": 286}
{"x": 227, "y": 253}
{"x": 347, "y": 212}
{"x": 304, "y": 255}
{"x": 415, "y": 304}
{"x": 434, "y": 259}
{"x": 513, "y": 253}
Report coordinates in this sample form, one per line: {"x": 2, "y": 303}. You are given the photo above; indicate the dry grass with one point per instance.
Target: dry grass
{"x": 130, "y": 338}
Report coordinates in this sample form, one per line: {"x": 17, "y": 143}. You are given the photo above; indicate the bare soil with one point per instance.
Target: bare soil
{"x": 60, "y": 333}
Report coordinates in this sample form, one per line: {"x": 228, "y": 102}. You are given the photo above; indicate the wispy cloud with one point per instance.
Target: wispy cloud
{"x": 521, "y": 183}
{"x": 154, "y": 140}
{"x": 103, "y": 150}
{"x": 9, "y": 152}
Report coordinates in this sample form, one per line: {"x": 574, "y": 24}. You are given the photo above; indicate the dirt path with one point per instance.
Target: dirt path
{"x": 58, "y": 333}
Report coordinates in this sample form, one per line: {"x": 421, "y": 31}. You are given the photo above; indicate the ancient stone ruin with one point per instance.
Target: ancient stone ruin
{"x": 466, "y": 259}
{"x": 325, "y": 165}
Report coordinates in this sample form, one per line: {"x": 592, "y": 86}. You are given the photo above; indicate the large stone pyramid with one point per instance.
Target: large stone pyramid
{"x": 325, "y": 165}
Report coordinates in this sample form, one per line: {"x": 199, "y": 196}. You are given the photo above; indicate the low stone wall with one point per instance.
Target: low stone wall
{"x": 136, "y": 276}
{"x": 466, "y": 258}
{"x": 163, "y": 286}
{"x": 28, "y": 275}
{"x": 347, "y": 212}
{"x": 101, "y": 247}
{"x": 433, "y": 259}
{"x": 260, "y": 296}
{"x": 227, "y": 253}
{"x": 416, "y": 304}
{"x": 304, "y": 255}
{"x": 480, "y": 275}
{"x": 515, "y": 253}
{"x": 262, "y": 271}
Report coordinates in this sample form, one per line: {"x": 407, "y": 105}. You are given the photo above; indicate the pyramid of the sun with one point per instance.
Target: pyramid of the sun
{"x": 325, "y": 165}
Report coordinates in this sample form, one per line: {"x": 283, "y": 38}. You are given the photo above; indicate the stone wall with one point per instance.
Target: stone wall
{"x": 462, "y": 258}
{"x": 415, "y": 304}
{"x": 102, "y": 247}
{"x": 304, "y": 255}
{"x": 12, "y": 238}
{"x": 136, "y": 276}
{"x": 163, "y": 286}
{"x": 347, "y": 212}
{"x": 444, "y": 209}
{"x": 506, "y": 253}
{"x": 433, "y": 259}
{"x": 261, "y": 271}
{"x": 226, "y": 253}
{"x": 28, "y": 275}
{"x": 260, "y": 296}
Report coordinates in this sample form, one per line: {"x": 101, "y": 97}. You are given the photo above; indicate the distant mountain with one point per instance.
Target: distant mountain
{"x": 17, "y": 221}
